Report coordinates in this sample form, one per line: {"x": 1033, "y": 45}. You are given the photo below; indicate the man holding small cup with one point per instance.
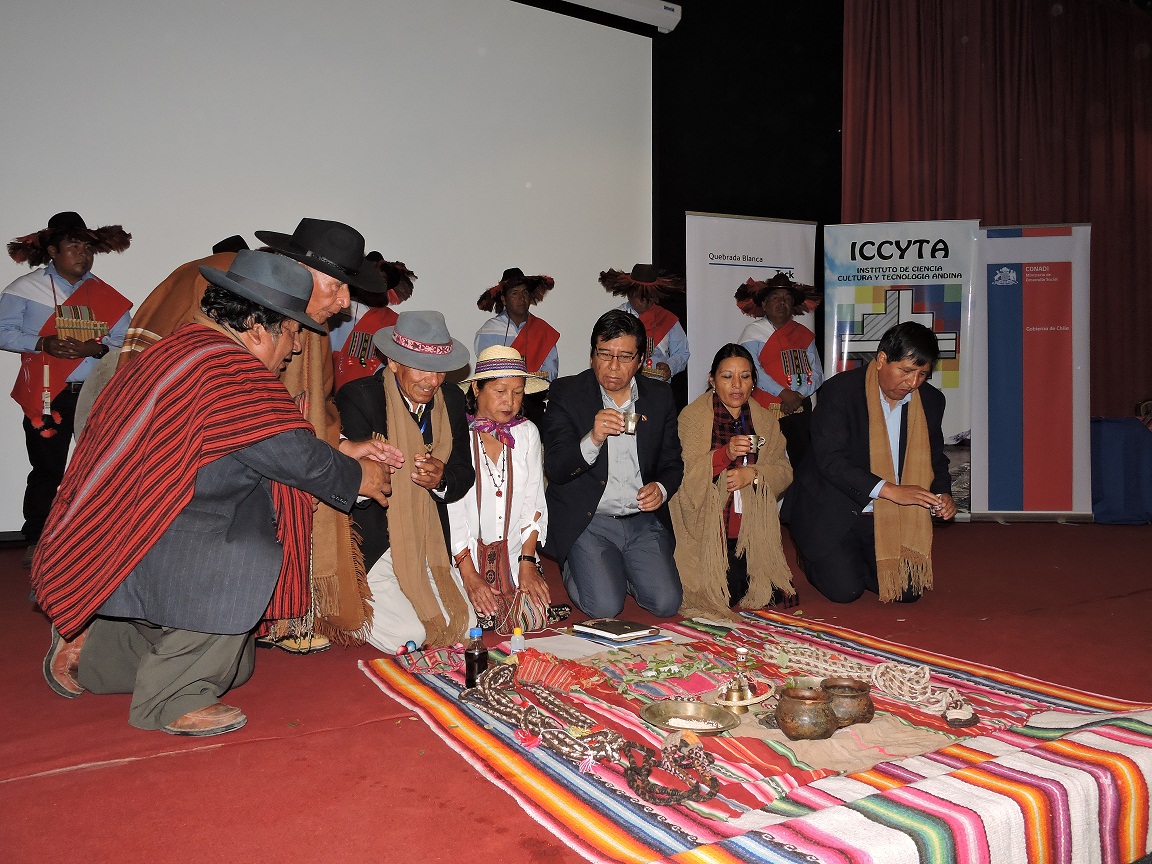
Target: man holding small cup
{"x": 612, "y": 458}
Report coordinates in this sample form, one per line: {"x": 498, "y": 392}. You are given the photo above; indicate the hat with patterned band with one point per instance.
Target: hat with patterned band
{"x": 421, "y": 341}
{"x": 500, "y": 361}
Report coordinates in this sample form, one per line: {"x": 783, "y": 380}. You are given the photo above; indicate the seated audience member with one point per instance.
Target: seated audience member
{"x": 351, "y": 332}
{"x": 508, "y": 500}
{"x": 645, "y": 286}
{"x": 608, "y": 487}
{"x": 725, "y": 515}
{"x": 185, "y": 516}
{"x": 862, "y": 501}
{"x": 515, "y": 326}
{"x": 788, "y": 369}
{"x": 415, "y": 595}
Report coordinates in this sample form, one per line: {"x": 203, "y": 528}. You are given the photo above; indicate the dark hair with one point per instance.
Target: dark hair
{"x": 732, "y": 349}
{"x": 239, "y": 313}
{"x": 472, "y": 404}
{"x": 617, "y": 323}
{"x": 912, "y": 341}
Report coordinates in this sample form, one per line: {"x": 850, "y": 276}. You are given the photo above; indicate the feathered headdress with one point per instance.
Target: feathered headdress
{"x": 32, "y": 249}
{"x": 646, "y": 279}
{"x": 492, "y": 300}
{"x": 396, "y": 274}
{"x": 750, "y": 296}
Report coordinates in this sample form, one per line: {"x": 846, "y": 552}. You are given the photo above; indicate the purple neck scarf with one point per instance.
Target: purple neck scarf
{"x": 502, "y": 432}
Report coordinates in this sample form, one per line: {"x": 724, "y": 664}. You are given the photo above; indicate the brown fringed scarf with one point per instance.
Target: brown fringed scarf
{"x": 414, "y": 524}
{"x": 698, "y": 517}
{"x": 903, "y": 534}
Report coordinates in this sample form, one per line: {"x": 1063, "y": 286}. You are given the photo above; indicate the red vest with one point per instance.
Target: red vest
{"x": 357, "y": 358}
{"x": 42, "y": 376}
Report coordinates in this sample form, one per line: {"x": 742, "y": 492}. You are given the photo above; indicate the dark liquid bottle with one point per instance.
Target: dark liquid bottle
{"x": 475, "y": 657}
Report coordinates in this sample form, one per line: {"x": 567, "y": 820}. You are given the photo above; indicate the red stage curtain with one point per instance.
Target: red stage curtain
{"x": 1015, "y": 112}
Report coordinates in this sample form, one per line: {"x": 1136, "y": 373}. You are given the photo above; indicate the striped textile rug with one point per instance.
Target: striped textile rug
{"x": 1050, "y": 774}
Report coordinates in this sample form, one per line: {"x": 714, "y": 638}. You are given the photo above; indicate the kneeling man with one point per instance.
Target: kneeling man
{"x": 864, "y": 496}
{"x": 185, "y": 516}
{"x": 609, "y": 480}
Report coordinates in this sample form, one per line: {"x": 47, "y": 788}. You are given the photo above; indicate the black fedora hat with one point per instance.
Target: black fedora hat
{"x": 271, "y": 281}
{"x": 330, "y": 247}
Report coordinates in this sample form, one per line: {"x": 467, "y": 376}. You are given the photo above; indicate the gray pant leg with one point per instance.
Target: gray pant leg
{"x": 111, "y": 655}
{"x": 650, "y": 566}
{"x": 594, "y": 570}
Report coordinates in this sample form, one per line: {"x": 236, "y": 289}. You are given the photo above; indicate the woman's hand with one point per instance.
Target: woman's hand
{"x": 533, "y": 584}
{"x": 481, "y": 595}
{"x": 738, "y": 447}
{"x": 738, "y": 478}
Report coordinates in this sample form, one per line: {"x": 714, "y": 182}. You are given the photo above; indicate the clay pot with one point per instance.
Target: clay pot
{"x": 805, "y": 714}
{"x": 849, "y": 700}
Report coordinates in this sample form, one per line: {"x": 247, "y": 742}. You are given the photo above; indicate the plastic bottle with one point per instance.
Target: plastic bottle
{"x": 517, "y": 642}
{"x": 475, "y": 657}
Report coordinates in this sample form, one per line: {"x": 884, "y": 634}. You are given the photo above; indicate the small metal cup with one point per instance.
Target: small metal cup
{"x": 631, "y": 421}
{"x": 755, "y": 442}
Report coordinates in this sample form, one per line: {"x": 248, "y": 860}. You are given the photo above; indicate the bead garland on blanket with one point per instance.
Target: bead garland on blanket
{"x": 682, "y": 752}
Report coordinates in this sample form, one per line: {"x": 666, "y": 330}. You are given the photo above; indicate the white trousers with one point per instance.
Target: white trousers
{"x": 394, "y": 621}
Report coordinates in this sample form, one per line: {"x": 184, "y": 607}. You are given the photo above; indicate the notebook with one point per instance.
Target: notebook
{"x": 615, "y": 629}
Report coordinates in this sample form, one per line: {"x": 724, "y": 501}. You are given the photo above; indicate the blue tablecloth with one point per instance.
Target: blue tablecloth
{"x": 1121, "y": 471}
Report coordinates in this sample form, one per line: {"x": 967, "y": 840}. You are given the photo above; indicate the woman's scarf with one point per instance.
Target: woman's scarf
{"x": 903, "y": 534}
{"x": 414, "y": 529}
{"x": 502, "y": 432}
{"x": 697, "y": 511}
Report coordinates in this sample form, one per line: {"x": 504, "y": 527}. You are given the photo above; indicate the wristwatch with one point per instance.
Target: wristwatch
{"x": 531, "y": 558}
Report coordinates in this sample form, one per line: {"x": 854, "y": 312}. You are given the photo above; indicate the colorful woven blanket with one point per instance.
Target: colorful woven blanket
{"x": 1070, "y": 786}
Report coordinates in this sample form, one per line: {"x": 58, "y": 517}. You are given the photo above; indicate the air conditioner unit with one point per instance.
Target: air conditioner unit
{"x": 658, "y": 13}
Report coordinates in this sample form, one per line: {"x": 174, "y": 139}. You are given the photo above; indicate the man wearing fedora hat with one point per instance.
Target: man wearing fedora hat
{"x": 416, "y": 596}
{"x": 183, "y": 522}
{"x": 334, "y": 255}
{"x": 61, "y": 319}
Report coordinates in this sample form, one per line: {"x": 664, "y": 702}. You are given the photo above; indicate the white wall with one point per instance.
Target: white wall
{"x": 459, "y": 136}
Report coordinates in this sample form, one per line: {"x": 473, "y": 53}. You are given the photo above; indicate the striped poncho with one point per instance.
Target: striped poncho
{"x": 190, "y": 399}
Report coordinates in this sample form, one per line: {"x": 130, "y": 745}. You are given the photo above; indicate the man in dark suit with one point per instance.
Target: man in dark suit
{"x": 415, "y": 597}
{"x": 612, "y": 458}
{"x": 184, "y": 519}
{"x": 839, "y": 497}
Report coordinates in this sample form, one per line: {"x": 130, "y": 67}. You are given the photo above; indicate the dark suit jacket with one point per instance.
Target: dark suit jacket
{"x": 362, "y": 412}
{"x": 831, "y": 485}
{"x": 574, "y": 486}
{"x": 213, "y": 570}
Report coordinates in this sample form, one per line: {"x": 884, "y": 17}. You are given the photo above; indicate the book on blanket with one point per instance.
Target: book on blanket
{"x": 614, "y": 629}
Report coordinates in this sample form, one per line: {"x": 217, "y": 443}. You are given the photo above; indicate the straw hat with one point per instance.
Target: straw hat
{"x": 500, "y": 361}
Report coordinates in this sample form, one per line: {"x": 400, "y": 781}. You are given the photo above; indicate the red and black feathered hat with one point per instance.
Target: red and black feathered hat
{"x": 396, "y": 274}
{"x": 751, "y": 296}
{"x": 32, "y": 249}
{"x": 647, "y": 279}
{"x": 492, "y": 300}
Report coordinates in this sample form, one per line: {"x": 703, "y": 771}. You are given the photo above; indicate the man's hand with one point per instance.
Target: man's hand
{"x": 913, "y": 496}
{"x": 380, "y": 451}
{"x": 70, "y": 349}
{"x": 375, "y": 480}
{"x": 665, "y": 371}
{"x": 608, "y": 421}
{"x": 650, "y": 497}
{"x": 946, "y": 509}
{"x": 790, "y": 401}
{"x": 429, "y": 471}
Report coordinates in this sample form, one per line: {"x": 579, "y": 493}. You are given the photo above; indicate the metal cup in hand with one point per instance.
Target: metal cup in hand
{"x": 755, "y": 442}
{"x": 631, "y": 421}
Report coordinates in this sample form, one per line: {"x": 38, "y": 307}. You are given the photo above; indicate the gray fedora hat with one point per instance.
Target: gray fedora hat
{"x": 330, "y": 247}
{"x": 421, "y": 340}
{"x": 271, "y": 281}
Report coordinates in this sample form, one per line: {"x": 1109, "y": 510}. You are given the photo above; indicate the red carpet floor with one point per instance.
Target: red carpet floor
{"x": 328, "y": 767}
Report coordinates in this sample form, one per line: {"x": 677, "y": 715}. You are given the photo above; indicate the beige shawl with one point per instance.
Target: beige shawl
{"x": 414, "y": 529}
{"x": 698, "y": 517}
{"x": 903, "y": 534}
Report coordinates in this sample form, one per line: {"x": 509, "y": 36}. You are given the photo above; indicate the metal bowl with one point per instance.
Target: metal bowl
{"x": 674, "y": 715}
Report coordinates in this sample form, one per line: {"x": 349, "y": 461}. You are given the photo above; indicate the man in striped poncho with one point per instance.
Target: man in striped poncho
{"x": 183, "y": 522}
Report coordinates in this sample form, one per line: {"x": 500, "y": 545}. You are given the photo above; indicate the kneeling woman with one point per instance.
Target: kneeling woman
{"x": 508, "y": 501}
{"x": 728, "y": 547}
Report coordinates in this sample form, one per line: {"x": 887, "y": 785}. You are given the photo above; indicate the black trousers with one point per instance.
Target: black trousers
{"x": 843, "y": 570}
{"x": 48, "y": 458}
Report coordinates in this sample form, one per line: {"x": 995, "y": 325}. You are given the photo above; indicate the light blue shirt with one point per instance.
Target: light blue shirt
{"x": 892, "y": 415}
{"x": 624, "y": 480}
{"x": 502, "y": 330}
